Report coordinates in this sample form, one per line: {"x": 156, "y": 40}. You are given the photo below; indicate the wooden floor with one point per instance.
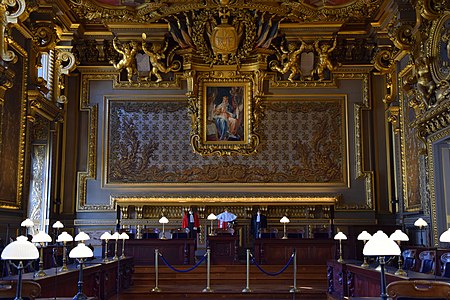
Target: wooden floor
{"x": 227, "y": 282}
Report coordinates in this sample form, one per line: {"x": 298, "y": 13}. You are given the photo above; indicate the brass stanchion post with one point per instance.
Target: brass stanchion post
{"x": 247, "y": 286}
{"x": 208, "y": 271}
{"x": 156, "y": 288}
{"x": 294, "y": 288}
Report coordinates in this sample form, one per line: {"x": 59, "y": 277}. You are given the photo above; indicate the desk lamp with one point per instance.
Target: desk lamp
{"x": 381, "y": 245}
{"x": 211, "y": 217}
{"x": 115, "y": 236}
{"x": 57, "y": 226}
{"x": 163, "y": 221}
{"x": 41, "y": 237}
{"x": 340, "y": 236}
{"x": 64, "y": 237}
{"x": 399, "y": 236}
{"x": 284, "y": 220}
{"x": 106, "y": 236}
{"x": 364, "y": 236}
{"x": 123, "y": 236}
{"x": 27, "y": 223}
{"x": 20, "y": 250}
{"x": 80, "y": 253}
{"x": 81, "y": 237}
{"x": 445, "y": 236}
{"x": 421, "y": 223}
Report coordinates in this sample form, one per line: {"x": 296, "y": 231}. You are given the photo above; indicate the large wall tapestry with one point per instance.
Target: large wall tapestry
{"x": 303, "y": 142}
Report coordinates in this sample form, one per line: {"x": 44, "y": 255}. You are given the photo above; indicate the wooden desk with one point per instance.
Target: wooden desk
{"x": 224, "y": 249}
{"x": 351, "y": 280}
{"x": 309, "y": 251}
{"x": 175, "y": 251}
{"x": 99, "y": 279}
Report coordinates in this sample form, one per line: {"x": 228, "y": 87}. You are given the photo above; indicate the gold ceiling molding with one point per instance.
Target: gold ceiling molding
{"x": 98, "y": 13}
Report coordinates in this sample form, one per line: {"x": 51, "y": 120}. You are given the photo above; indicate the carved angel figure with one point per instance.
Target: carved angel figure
{"x": 324, "y": 62}
{"x": 156, "y": 56}
{"x": 425, "y": 83}
{"x": 128, "y": 61}
{"x": 291, "y": 60}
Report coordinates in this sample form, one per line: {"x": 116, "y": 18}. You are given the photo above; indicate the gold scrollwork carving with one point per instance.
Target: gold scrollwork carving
{"x": 401, "y": 35}
{"x": 7, "y": 17}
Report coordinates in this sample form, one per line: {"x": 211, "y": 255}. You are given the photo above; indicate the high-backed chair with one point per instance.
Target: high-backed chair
{"x": 418, "y": 289}
{"x": 409, "y": 259}
{"x": 445, "y": 264}
{"x": 30, "y": 289}
{"x": 427, "y": 264}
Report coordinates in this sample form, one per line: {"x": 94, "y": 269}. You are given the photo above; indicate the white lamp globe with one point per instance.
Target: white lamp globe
{"x": 445, "y": 236}
{"x": 381, "y": 245}
{"x": 364, "y": 236}
{"x": 20, "y": 249}
{"x": 399, "y": 235}
{"x": 340, "y": 236}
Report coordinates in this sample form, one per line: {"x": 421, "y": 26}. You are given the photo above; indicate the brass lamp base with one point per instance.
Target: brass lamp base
{"x": 293, "y": 290}
{"x": 207, "y": 290}
{"x": 40, "y": 273}
{"x": 401, "y": 272}
{"x": 246, "y": 290}
{"x": 156, "y": 290}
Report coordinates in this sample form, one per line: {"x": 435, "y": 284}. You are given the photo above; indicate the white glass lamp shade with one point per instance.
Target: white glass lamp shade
{"x": 211, "y": 217}
{"x": 81, "y": 251}
{"x": 381, "y": 245}
{"x": 284, "y": 220}
{"x": 27, "y": 223}
{"x": 115, "y": 236}
{"x": 21, "y": 249}
{"x": 82, "y": 236}
{"x": 41, "y": 237}
{"x": 64, "y": 237}
{"x": 399, "y": 235}
{"x": 420, "y": 223}
{"x": 445, "y": 236}
{"x": 124, "y": 236}
{"x": 340, "y": 236}
{"x": 58, "y": 225}
{"x": 106, "y": 236}
{"x": 364, "y": 236}
{"x": 163, "y": 220}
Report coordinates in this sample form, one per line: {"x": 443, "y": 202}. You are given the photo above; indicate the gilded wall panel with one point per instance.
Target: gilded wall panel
{"x": 303, "y": 143}
{"x": 410, "y": 155}
{"x": 13, "y": 119}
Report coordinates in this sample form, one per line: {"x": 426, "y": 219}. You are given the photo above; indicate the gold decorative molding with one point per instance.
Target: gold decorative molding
{"x": 431, "y": 141}
{"x": 22, "y": 130}
{"x": 9, "y": 17}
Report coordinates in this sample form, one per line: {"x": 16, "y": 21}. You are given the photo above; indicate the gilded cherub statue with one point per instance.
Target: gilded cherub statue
{"x": 425, "y": 83}
{"x": 128, "y": 61}
{"x": 156, "y": 56}
{"x": 291, "y": 60}
{"x": 324, "y": 62}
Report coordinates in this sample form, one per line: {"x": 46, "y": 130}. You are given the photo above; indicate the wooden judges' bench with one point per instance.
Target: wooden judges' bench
{"x": 175, "y": 251}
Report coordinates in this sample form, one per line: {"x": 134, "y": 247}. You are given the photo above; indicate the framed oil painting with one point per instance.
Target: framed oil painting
{"x": 227, "y": 116}
{"x": 225, "y": 113}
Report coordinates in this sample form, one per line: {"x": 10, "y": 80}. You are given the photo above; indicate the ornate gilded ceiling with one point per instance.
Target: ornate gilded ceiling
{"x": 315, "y": 16}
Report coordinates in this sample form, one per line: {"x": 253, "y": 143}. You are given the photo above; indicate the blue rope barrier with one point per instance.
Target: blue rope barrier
{"x": 182, "y": 271}
{"x": 275, "y": 273}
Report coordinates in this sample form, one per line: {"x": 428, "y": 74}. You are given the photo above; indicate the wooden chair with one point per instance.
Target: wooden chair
{"x": 445, "y": 264}
{"x": 427, "y": 262}
{"x": 30, "y": 289}
{"x": 418, "y": 289}
{"x": 409, "y": 259}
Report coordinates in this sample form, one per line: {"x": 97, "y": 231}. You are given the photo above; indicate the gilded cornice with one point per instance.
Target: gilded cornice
{"x": 152, "y": 12}
{"x": 38, "y": 104}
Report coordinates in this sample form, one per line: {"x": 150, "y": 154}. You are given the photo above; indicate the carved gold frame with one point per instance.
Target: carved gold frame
{"x": 198, "y": 106}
